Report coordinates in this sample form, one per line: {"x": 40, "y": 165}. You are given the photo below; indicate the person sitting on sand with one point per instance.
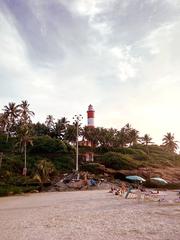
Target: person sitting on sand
{"x": 117, "y": 192}
{"x": 112, "y": 190}
{"x": 122, "y": 188}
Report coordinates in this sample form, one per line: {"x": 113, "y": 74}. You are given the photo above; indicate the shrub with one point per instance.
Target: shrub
{"x": 115, "y": 149}
{"x": 95, "y": 168}
{"x": 140, "y": 155}
{"x": 46, "y": 144}
{"x": 6, "y": 190}
{"x": 12, "y": 164}
{"x": 6, "y": 146}
{"x": 118, "y": 161}
{"x": 64, "y": 163}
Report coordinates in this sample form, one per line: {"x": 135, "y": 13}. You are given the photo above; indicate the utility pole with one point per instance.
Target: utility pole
{"x": 77, "y": 119}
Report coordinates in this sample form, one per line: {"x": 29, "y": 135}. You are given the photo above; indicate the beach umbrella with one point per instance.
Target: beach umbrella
{"x": 135, "y": 178}
{"x": 158, "y": 180}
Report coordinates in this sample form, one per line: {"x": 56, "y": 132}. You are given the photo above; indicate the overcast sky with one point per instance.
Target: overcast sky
{"x": 121, "y": 56}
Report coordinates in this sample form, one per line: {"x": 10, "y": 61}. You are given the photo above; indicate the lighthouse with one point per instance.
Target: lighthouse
{"x": 90, "y": 116}
{"x": 88, "y": 155}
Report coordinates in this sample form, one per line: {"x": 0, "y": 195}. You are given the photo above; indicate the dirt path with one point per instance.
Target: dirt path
{"x": 86, "y": 215}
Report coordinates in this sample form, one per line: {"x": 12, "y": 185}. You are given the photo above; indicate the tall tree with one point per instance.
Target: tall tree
{"x": 169, "y": 143}
{"x": 105, "y": 137}
{"x": 24, "y": 139}
{"x": 122, "y": 137}
{"x": 50, "y": 124}
{"x": 11, "y": 112}
{"x": 146, "y": 140}
{"x": 24, "y": 130}
{"x": 60, "y": 127}
{"x": 133, "y": 136}
{"x": 24, "y": 112}
{"x": 3, "y": 122}
{"x": 70, "y": 134}
{"x": 91, "y": 134}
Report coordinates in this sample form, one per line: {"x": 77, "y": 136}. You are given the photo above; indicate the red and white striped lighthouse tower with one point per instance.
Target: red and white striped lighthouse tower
{"x": 90, "y": 116}
{"x": 89, "y": 154}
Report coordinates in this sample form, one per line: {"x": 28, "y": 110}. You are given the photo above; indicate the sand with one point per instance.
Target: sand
{"x": 87, "y": 215}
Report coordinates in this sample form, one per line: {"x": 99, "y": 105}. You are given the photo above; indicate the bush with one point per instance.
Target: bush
{"x": 124, "y": 150}
{"x": 115, "y": 149}
{"x": 118, "y": 161}
{"x": 6, "y": 190}
{"x": 6, "y": 146}
{"x": 12, "y": 164}
{"x": 64, "y": 163}
{"x": 19, "y": 180}
{"x": 140, "y": 155}
{"x": 95, "y": 168}
{"x": 46, "y": 144}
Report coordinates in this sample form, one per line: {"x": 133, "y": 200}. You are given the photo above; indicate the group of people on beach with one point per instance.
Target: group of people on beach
{"x": 120, "y": 190}
{"x": 137, "y": 189}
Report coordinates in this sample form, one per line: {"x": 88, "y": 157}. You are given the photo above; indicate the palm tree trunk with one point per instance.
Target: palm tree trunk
{"x": 25, "y": 154}
{"x": 25, "y": 165}
{"x": 147, "y": 150}
{"x": 1, "y": 156}
{"x": 7, "y": 135}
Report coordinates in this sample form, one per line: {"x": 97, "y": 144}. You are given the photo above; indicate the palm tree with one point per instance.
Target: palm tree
{"x": 23, "y": 130}
{"x": 122, "y": 137}
{"x": 60, "y": 127}
{"x": 90, "y": 134}
{"x": 24, "y": 112}
{"x": 105, "y": 137}
{"x": 133, "y": 137}
{"x": 44, "y": 171}
{"x": 11, "y": 112}
{"x": 3, "y": 122}
{"x": 50, "y": 123}
{"x": 170, "y": 145}
{"x": 146, "y": 139}
{"x": 24, "y": 139}
{"x": 70, "y": 134}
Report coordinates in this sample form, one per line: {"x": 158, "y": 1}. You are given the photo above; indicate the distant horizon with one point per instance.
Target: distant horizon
{"x": 122, "y": 57}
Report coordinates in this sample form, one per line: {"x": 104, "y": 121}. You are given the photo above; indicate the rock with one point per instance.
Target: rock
{"x": 35, "y": 191}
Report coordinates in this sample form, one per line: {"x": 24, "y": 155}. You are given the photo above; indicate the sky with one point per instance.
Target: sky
{"x": 121, "y": 56}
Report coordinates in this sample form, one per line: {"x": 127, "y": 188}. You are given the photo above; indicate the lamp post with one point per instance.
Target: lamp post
{"x": 77, "y": 119}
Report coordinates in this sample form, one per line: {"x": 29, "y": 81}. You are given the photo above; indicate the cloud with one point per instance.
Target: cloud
{"x": 121, "y": 56}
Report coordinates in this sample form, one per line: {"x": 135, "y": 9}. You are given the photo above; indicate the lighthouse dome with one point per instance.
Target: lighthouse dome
{"x": 90, "y": 108}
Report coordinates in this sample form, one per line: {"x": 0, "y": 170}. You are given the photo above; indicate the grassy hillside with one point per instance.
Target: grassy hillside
{"x": 49, "y": 157}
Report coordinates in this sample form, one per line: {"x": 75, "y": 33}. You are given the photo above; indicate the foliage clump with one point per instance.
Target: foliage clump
{"x": 118, "y": 161}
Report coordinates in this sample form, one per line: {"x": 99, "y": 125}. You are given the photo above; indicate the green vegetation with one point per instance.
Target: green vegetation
{"x": 118, "y": 161}
{"x": 33, "y": 154}
{"x": 95, "y": 168}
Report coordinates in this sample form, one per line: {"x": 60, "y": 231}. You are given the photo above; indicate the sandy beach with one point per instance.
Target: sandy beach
{"x": 90, "y": 215}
